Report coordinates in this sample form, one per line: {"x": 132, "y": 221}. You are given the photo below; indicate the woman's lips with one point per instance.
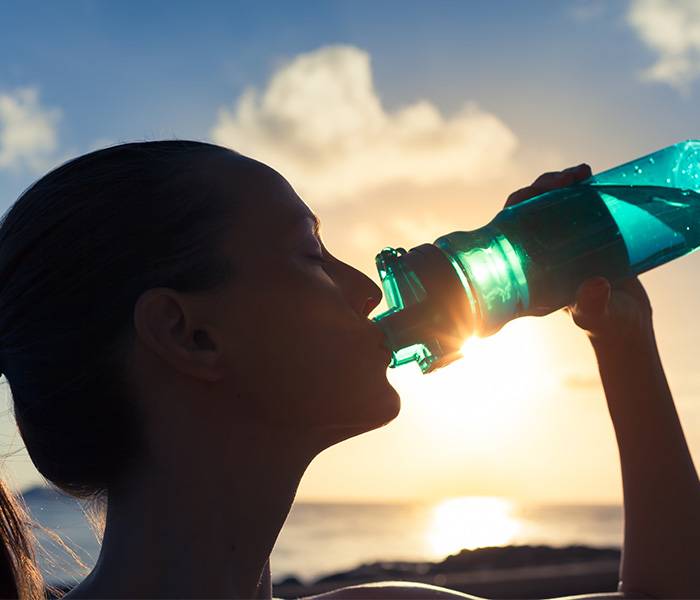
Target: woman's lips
{"x": 378, "y": 335}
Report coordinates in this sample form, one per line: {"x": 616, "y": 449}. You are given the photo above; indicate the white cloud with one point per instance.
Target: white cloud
{"x": 28, "y": 136}
{"x": 320, "y": 122}
{"x": 672, "y": 29}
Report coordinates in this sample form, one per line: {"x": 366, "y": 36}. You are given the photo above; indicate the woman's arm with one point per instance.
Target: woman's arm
{"x": 661, "y": 552}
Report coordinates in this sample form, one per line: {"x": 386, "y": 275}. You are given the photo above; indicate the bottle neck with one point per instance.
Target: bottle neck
{"x": 493, "y": 272}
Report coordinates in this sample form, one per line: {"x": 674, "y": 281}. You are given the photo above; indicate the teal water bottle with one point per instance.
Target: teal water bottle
{"x": 531, "y": 258}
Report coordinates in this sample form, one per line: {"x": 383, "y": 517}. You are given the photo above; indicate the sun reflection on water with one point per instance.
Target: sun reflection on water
{"x": 471, "y": 522}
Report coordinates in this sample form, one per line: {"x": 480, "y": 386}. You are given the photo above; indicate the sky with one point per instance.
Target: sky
{"x": 396, "y": 122}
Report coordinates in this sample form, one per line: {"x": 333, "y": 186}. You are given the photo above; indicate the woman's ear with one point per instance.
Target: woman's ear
{"x": 166, "y": 324}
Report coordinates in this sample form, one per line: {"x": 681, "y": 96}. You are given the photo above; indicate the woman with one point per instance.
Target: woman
{"x": 173, "y": 327}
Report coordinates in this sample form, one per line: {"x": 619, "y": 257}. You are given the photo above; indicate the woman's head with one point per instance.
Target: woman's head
{"x": 181, "y": 277}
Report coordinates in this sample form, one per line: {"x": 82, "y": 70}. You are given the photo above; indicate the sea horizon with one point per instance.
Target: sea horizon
{"x": 323, "y": 538}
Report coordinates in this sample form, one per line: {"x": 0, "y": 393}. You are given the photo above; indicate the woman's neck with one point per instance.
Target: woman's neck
{"x": 196, "y": 526}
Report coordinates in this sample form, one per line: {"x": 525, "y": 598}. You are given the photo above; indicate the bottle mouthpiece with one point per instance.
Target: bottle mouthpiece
{"x": 430, "y": 313}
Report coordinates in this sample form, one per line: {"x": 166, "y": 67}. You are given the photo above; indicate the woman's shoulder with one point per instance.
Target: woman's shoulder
{"x": 404, "y": 590}
{"x": 408, "y": 590}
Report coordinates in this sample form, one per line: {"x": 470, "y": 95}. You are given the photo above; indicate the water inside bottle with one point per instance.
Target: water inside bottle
{"x": 590, "y": 230}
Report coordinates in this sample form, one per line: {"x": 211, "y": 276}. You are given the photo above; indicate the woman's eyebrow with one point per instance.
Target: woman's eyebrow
{"x": 302, "y": 224}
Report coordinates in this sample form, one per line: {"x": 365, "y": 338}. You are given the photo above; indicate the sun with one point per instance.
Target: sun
{"x": 485, "y": 396}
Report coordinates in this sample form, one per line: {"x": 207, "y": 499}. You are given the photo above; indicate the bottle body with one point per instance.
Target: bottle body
{"x": 530, "y": 259}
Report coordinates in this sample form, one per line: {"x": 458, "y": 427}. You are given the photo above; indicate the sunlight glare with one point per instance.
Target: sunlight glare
{"x": 487, "y": 396}
{"x": 471, "y": 522}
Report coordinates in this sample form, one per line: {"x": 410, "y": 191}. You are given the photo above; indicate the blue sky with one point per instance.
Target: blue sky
{"x": 427, "y": 114}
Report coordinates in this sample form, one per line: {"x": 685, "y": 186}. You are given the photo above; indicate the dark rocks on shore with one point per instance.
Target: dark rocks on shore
{"x": 524, "y": 556}
{"x": 496, "y": 572}
{"x": 291, "y": 580}
{"x": 507, "y": 557}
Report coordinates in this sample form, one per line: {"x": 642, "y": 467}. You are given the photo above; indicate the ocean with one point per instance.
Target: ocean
{"x": 323, "y": 538}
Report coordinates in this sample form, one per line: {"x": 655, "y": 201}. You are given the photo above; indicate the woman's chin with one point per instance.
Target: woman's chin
{"x": 391, "y": 402}
{"x": 379, "y": 410}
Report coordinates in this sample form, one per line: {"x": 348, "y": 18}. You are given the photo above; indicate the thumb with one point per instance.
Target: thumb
{"x": 590, "y": 308}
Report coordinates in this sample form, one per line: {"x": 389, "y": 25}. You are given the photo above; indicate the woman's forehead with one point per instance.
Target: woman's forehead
{"x": 266, "y": 197}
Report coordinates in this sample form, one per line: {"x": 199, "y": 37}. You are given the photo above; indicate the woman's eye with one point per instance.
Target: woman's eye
{"x": 319, "y": 258}
{"x": 314, "y": 251}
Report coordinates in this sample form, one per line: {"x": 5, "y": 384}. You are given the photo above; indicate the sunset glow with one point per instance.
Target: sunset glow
{"x": 486, "y": 396}
{"x": 471, "y": 522}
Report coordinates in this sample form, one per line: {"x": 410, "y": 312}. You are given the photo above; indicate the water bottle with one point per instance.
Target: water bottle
{"x": 531, "y": 258}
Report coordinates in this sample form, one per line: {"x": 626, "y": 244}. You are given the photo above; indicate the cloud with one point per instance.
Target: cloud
{"x": 320, "y": 122}
{"x": 28, "y": 135}
{"x": 672, "y": 29}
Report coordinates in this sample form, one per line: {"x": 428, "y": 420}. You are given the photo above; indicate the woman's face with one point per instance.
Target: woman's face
{"x": 300, "y": 350}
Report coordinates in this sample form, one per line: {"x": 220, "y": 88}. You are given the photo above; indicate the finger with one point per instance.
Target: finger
{"x": 592, "y": 298}
{"x": 566, "y": 176}
{"x": 519, "y": 196}
{"x": 555, "y": 179}
{"x": 580, "y": 172}
{"x": 525, "y": 194}
{"x": 550, "y": 181}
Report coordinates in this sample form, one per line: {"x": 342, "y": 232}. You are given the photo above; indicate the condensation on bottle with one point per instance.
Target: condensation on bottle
{"x": 531, "y": 258}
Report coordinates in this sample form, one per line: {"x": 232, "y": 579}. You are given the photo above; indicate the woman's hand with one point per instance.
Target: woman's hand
{"x": 609, "y": 314}
{"x": 618, "y": 314}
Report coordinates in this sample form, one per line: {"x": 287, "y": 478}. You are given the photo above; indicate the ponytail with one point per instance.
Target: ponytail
{"x": 19, "y": 574}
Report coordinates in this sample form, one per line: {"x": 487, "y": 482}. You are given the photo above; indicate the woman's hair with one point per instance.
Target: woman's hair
{"x": 77, "y": 249}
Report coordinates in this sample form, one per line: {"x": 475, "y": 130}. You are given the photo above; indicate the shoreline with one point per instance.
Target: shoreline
{"x": 494, "y": 572}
